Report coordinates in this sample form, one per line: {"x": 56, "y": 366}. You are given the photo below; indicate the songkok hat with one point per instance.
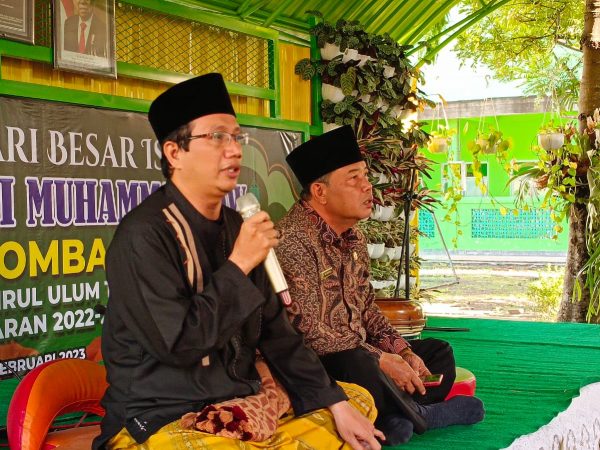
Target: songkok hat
{"x": 324, "y": 154}
{"x": 186, "y": 101}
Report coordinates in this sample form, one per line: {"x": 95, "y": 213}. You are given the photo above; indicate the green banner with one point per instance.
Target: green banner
{"x": 68, "y": 175}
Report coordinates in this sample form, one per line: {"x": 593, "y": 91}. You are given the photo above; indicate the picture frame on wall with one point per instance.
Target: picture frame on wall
{"x": 17, "y": 20}
{"x": 84, "y": 36}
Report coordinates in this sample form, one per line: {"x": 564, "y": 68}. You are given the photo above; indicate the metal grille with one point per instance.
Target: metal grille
{"x": 489, "y": 223}
{"x": 151, "y": 39}
{"x": 43, "y": 23}
{"x": 426, "y": 224}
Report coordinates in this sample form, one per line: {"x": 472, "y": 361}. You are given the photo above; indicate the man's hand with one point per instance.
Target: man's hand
{"x": 257, "y": 236}
{"x": 354, "y": 428}
{"x": 416, "y": 363}
{"x": 401, "y": 372}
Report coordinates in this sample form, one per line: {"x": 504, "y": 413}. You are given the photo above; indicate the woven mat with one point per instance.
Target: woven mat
{"x": 527, "y": 373}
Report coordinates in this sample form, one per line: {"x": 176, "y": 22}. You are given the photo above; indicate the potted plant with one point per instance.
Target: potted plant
{"x": 489, "y": 142}
{"x": 441, "y": 138}
{"x": 551, "y": 137}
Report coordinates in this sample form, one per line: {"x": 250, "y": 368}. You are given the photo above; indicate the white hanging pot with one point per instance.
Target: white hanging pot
{"x": 388, "y": 71}
{"x": 438, "y": 145}
{"x": 381, "y": 104}
{"x": 411, "y": 215}
{"x": 378, "y": 284}
{"x": 389, "y": 253}
{"x": 551, "y": 141}
{"x": 332, "y": 93}
{"x": 387, "y": 213}
{"x": 381, "y": 177}
{"x": 350, "y": 54}
{"x": 329, "y": 126}
{"x": 376, "y": 212}
{"x": 398, "y": 251}
{"x": 330, "y": 51}
{"x": 363, "y": 59}
{"x": 404, "y": 114}
{"x": 376, "y": 250}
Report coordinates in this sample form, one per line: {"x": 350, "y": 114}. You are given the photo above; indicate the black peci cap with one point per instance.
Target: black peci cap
{"x": 324, "y": 154}
{"x": 188, "y": 100}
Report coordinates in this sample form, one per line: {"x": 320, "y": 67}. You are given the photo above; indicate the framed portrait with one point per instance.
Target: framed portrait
{"x": 84, "y": 36}
{"x": 16, "y": 20}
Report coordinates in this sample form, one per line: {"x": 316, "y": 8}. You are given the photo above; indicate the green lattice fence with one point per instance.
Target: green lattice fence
{"x": 170, "y": 43}
{"x": 489, "y": 223}
{"x": 426, "y": 223}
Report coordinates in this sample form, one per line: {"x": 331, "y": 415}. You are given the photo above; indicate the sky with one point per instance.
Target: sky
{"x": 446, "y": 77}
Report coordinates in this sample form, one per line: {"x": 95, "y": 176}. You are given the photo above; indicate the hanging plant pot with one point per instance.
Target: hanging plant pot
{"x": 376, "y": 213}
{"x": 382, "y": 104}
{"x": 387, "y": 213}
{"x": 389, "y": 253}
{"x": 329, "y": 126}
{"x": 485, "y": 146}
{"x": 398, "y": 255}
{"x": 330, "y": 51}
{"x": 332, "y": 93}
{"x": 376, "y": 250}
{"x": 438, "y": 145}
{"x": 411, "y": 215}
{"x": 551, "y": 141}
{"x": 363, "y": 59}
{"x": 382, "y": 178}
{"x": 388, "y": 71}
{"x": 350, "y": 54}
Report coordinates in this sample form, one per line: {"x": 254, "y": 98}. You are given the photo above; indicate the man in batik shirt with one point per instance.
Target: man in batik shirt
{"x": 325, "y": 261}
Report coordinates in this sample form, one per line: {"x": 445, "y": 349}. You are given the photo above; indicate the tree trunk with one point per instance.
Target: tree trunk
{"x": 577, "y": 256}
{"x": 589, "y": 99}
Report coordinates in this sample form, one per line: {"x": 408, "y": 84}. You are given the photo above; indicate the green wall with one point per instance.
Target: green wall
{"x": 522, "y": 130}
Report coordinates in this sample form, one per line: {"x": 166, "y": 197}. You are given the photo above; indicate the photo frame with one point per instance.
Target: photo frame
{"x": 17, "y": 20}
{"x": 84, "y": 36}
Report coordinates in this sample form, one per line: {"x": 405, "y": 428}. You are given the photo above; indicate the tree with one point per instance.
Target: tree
{"x": 539, "y": 41}
{"x": 534, "y": 41}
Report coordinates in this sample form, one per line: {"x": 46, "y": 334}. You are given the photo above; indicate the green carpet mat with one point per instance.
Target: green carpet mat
{"x": 526, "y": 373}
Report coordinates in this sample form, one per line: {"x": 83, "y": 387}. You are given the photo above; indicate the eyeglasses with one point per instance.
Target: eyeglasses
{"x": 222, "y": 138}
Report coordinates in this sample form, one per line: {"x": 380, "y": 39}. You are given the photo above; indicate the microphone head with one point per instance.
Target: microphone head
{"x": 247, "y": 205}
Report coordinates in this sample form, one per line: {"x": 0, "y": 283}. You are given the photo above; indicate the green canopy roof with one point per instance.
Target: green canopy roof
{"x": 407, "y": 21}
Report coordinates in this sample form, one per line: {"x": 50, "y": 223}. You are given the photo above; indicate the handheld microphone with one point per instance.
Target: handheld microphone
{"x": 247, "y": 206}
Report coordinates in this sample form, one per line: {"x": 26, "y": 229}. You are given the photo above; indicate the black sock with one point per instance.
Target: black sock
{"x": 459, "y": 410}
{"x": 397, "y": 429}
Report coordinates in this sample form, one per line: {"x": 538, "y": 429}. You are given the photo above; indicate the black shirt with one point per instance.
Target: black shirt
{"x": 161, "y": 326}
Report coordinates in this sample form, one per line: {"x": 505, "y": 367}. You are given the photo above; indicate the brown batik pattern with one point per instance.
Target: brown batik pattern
{"x": 328, "y": 276}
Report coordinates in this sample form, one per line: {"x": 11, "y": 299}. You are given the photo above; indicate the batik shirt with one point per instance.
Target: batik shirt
{"x": 328, "y": 276}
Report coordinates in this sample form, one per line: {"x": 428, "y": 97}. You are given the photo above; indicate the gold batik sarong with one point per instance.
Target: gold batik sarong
{"x": 311, "y": 431}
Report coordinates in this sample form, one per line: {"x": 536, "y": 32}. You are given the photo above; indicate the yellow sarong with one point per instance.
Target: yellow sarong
{"x": 311, "y": 431}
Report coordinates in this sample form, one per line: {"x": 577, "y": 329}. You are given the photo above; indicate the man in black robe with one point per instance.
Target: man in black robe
{"x": 189, "y": 298}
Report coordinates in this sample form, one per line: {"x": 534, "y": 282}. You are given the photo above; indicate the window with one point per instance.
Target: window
{"x": 453, "y": 175}
{"x": 472, "y": 190}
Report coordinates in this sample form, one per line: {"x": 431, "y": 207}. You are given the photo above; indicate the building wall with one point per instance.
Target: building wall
{"x": 483, "y": 227}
